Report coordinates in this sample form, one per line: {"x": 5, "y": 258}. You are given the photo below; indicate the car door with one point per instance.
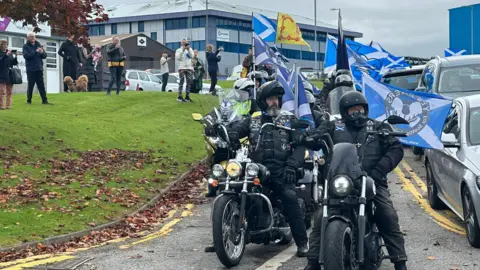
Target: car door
{"x": 147, "y": 84}
{"x": 172, "y": 83}
{"x": 133, "y": 79}
{"x": 157, "y": 84}
{"x": 453, "y": 163}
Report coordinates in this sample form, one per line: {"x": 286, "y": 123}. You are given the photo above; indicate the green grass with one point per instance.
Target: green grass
{"x": 43, "y": 202}
{"x": 229, "y": 84}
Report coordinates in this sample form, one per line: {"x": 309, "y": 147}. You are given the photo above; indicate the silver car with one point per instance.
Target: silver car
{"x": 453, "y": 173}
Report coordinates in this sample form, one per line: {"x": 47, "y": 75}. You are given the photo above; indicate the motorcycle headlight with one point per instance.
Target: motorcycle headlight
{"x": 342, "y": 185}
{"x": 234, "y": 169}
{"x": 217, "y": 170}
{"x": 252, "y": 170}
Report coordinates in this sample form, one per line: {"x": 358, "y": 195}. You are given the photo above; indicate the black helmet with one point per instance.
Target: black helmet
{"x": 343, "y": 80}
{"x": 269, "y": 89}
{"x": 350, "y": 99}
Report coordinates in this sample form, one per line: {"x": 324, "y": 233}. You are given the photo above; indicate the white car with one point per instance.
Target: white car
{"x": 141, "y": 80}
{"x": 174, "y": 79}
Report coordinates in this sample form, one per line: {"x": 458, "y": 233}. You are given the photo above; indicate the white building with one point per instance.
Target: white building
{"x": 16, "y": 35}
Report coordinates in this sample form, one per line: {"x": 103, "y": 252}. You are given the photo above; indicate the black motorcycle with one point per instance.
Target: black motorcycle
{"x": 349, "y": 236}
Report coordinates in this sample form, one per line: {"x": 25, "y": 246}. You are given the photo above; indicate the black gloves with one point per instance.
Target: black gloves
{"x": 377, "y": 176}
{"x": 210, "y": 131}
{"x": 290, "y": 175}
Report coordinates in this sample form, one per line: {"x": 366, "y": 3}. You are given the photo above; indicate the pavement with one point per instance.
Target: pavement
{"x": 434, "y": 239}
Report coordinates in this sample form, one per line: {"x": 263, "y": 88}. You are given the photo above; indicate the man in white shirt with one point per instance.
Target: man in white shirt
{"x": 184, "y": 57}
{"x": 164, "y": 71}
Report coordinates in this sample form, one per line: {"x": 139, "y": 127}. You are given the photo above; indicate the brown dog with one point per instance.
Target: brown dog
{"x": 69, "y": 81}
{"x": 82, "y": 83}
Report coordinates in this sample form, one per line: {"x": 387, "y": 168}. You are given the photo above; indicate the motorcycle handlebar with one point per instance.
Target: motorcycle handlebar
{"x": 387, "y": 133}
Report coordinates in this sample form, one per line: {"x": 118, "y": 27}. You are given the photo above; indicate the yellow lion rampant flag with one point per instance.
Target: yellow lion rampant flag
{"x": 288, "y": 31}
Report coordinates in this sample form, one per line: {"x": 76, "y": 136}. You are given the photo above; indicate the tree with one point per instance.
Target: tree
{"x": 65, "y": 17}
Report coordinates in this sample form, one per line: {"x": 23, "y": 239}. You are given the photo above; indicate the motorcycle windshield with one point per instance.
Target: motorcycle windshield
{"x": 228, "y": 112}
{"x": 334, "y": 98}
{"x": 345, "y": 161}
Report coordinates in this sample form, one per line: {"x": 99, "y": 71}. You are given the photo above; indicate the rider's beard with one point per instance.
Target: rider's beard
{"x": 273, "y": 110}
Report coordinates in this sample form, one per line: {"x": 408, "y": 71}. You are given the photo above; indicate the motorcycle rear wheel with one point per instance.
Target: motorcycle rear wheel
{"x": 340, "y": 251}
{"x": 226, "y": 213}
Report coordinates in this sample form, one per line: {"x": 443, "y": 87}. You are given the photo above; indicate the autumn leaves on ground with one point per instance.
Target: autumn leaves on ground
{"x": 90, "y": 158}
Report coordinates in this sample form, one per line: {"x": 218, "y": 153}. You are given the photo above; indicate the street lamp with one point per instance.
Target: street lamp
{"x": 316, "y": 41}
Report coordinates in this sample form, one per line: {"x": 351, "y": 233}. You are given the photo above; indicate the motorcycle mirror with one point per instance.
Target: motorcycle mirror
{"x": 394, "y": 120}
{"x": 197, "y": 116}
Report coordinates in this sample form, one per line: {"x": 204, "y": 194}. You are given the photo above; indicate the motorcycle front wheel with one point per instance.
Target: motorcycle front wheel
{"x": 340, "y": 251}
{"x": 226, "y": 213}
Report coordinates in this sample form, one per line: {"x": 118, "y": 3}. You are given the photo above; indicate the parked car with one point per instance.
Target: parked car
{"x": 452, "y": 77}
{"x": 174, "y": 79}
{"x": 141, "y": 80}
{"x": 453, "y": 173}
{"x": 407, "y": 78}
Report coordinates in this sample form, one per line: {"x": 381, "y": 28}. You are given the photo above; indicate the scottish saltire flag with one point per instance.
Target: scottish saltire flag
{"x": 426, "y": 113}
{"x": 264, "y": 27}
{"x": 303, "y": 111}
{"x": 315, "y": 90}
{"x": 278, "y": 54}
{"x": 454, "y": 52}
{"x": 288, "y": 99}
{"x": 263, "y": 53}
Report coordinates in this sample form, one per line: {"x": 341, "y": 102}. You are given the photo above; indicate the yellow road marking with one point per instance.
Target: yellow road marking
{"x": 29, "y": 259}
{"x": 40, "y": 262}
{"x": 415, "y": 177}
{"x": 162, "y": 232}
{"x": 438, "y": 218}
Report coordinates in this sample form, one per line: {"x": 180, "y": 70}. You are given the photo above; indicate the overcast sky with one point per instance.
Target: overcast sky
{"x": 403, "y": 27}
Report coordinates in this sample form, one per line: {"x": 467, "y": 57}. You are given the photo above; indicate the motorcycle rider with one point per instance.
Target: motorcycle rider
{"x": 380, "y": 156}
{"x": 274, "y": 150}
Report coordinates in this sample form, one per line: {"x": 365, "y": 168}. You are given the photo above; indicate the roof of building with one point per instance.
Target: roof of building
{"x": 175, "y": 8}
{"x": 104, "y": 40}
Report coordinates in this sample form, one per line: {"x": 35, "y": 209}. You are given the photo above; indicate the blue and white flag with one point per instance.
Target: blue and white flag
{"x": 288, "y": 99}
{"x": 263, "y": 53}
{"x": 265, "y": 28}
{"x": 303, "y": 111}
{"x": 454, "y": 52}
{"x": 426, "y": 113}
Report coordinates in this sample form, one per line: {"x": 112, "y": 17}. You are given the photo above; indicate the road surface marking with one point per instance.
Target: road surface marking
{"x": 438, "y": 218}
{"x": 415, "y": 177}
{"x": 40, "y": 262}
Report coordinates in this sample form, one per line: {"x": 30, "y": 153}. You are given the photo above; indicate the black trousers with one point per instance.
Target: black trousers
{"x": 386, "y": 219}
{"x": 36, "y": 77}
{"x": 164, "y": 81}
{"x": 213, "y": 83}
{"x": 116, "y": 77}
{"x": 69, "y": 69}
{"x": 287, "y": 194}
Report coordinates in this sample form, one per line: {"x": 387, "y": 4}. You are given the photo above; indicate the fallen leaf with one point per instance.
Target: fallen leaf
{"x": 431, "y": 258}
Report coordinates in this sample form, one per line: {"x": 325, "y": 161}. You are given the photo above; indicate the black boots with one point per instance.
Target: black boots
{"x": 302, "y": 250}
{"x": 312, "y": 265}
{"x": 401, "y": 265}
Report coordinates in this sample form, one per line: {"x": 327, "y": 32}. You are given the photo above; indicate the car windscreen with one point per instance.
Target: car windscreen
{"x": 408, "y": 81}
{"x": 464, "y": 78}
{"x": 474, "y": 126}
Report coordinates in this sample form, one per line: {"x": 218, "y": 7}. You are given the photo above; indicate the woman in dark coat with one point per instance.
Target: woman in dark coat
{"x": 7, "y": 60}
{"x": 88, "y": 68}
{"x": 212, "y": 60}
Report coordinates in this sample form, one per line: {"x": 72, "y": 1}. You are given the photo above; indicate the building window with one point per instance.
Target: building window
{"x": 153, "y": 35}
{"x": 17, "y": 42}
{"x": 52, "y": 59}
{"x": 130, "y": 27}
{"x": 173, "y": 45}
{"x": 291, "y": 54}
{"x": 306, "y": 55}
{"x": 96, "y": 30}
{"x": 114, "y": 29}
{"x": 321, "y": 57}
{"x": 141, "y": 27}
{"x": 198, "y": 22}
{"x": 174, "y": 24}
{"x": 321, "y": 36}
{"x": 199, "y": 45}
{"x": 233, "y": 24}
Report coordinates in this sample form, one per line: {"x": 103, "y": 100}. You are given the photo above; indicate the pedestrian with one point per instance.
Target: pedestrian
{"x": 184, "y": 56}
{"x": 199, "y": 68}
{"x": 7, "y": 60}
{"x": 247, "y": 63}
{"x": 33, "y": 53}
{"x": 116, "y": 62}
{"x": 72, "y": 59}
{"x": 212, "y": 60}
{"x": 96, "y": 55}
{"x": 88, "y": 68}
{"x": 164, "y": 70}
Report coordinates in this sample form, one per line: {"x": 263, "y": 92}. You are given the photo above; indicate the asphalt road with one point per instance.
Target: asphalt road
{"x": 434, "y": 239}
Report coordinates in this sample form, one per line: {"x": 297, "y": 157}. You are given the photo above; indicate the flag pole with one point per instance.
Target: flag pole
{"x": 253, "y": 52}
{"x": 296, "y": 89}
{"x": 206, "y": 38}
{"x": 316, "y": 41}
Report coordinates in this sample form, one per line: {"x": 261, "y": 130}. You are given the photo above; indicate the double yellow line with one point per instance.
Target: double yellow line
{"x": 442, "y": 218}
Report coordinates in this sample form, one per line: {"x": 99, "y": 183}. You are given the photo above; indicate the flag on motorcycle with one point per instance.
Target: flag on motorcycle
{"x": 288, "y": 31}
{"x": 454, "y": 52}
{"x": 265, "y": 55}
{"x": 316, "y": 91}
{"x": 288, "y": 100}
{"x": 426, "y": 113}
{"x": 342, "y": 55}
{"x": 264, "y": 27}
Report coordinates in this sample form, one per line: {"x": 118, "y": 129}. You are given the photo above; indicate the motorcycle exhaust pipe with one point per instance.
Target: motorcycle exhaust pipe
{"x": 362, "y": 221}
{"x": 323, "y": 228}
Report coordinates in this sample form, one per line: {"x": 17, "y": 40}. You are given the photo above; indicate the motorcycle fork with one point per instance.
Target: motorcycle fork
{"x": 362, "y": 221}
{"x": 315, "y": 183}
{"x": 323, "y": 227}
{"x": 243, "y": 202}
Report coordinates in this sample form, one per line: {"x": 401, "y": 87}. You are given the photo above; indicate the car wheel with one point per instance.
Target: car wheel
{"x": 432, "y": 190}
{"x": 470, "y": 218}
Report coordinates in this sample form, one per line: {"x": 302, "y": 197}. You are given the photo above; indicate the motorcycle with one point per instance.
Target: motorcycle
{"x": 247, "y": 210}
{"x": 349, "y": 236}
{"x": 230, "y": 112}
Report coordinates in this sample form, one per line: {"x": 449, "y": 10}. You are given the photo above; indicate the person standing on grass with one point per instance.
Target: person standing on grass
{"x": 164, "y": 71}
{"x": 116, "y": 62}
{"x": 7, "y": 60}
{"x": 184, "y": 56}
{"x": 33, "y": 53}
{"x": 212, "y": 60}
{"x": 199, "y": 68}
{"x": 72, "y": 59}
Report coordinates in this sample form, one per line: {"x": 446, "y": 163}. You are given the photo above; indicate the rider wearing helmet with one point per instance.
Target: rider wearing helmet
{"x": 245, "y": 87}
{"x": 317, "y": 113}
{"x": 380, "y": 156}
{"x": 274, "y": 148}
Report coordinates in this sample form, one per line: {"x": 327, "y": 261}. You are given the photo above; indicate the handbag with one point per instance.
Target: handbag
{"x": 15, "y": 75}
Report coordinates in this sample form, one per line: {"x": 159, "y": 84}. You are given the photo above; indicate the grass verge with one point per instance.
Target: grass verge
{"x": 90, "y": 158}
